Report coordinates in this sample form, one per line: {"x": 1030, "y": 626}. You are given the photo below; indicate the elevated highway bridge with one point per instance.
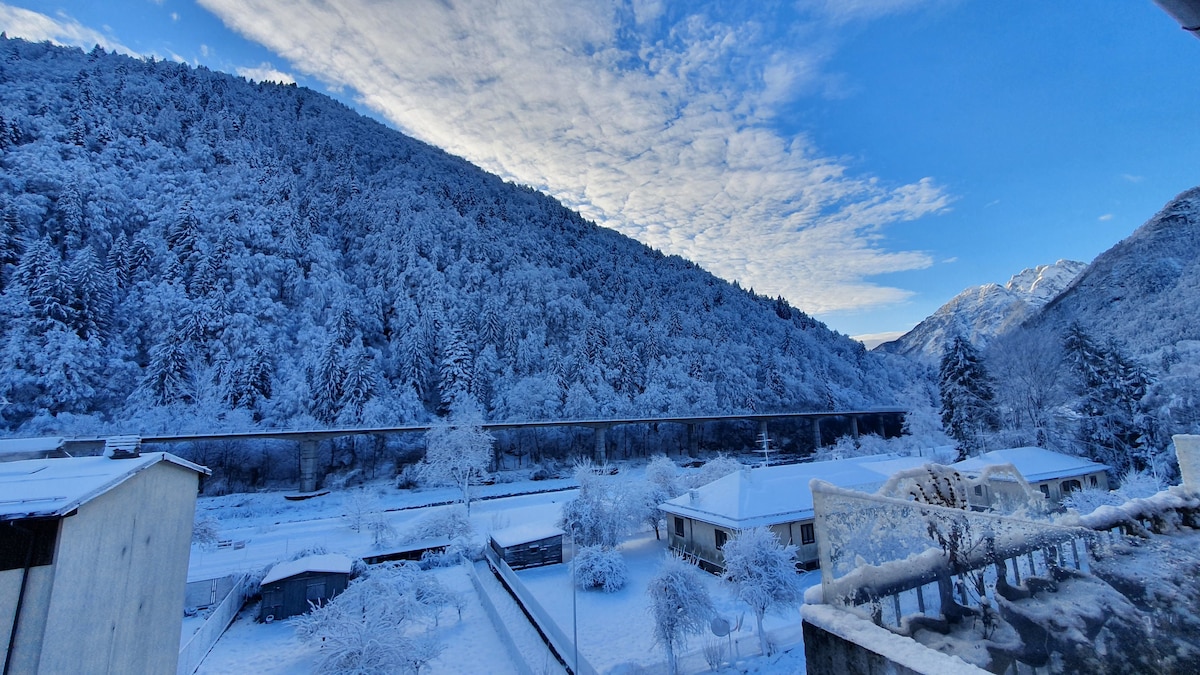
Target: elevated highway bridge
{"x": 873, "y": 419}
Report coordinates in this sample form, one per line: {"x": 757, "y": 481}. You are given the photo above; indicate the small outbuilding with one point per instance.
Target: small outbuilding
{"x": 528, "y": 545}
{"x": 292, "y": 588}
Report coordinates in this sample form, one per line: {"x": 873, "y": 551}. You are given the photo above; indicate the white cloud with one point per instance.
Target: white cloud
{"x": 1105, "y": 217}
{"x": 265, "y": 72}
{"x": 648, "y": 117}
{"x": 873, "y": 340}
{"x": 60, "y": 30}
{"x": 174, "y": 16}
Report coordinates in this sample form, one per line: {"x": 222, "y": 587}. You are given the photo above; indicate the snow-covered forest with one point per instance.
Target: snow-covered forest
{"x": 183, "y": 250}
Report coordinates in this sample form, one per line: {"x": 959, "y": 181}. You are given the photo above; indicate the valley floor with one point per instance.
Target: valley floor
{"x": 614, "y": 629}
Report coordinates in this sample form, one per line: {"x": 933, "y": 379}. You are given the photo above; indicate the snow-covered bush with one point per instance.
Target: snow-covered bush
{"x": 600, "y": 568}
{"x": 599, "y": 514}
{"x": 1139, "y": 485}
{"x": 379, "y": 624}
{"x": 206, "y": 532}
{"x": 763, "y": 573}
{"x": 450, "y": 522}
{"x": 663, "y": 473}
{"x": 717, "y": 467}
{"x": 680, "y": 606}
{"x": 1089, "y": 499}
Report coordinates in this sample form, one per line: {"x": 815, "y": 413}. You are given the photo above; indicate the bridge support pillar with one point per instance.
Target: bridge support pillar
{"x": 693, "y": 441}
{"x": 854, "y": 426}
{"x": 601, "y": 452}
{"x": 308, "y": 466}
{"x": 816, "y": 430}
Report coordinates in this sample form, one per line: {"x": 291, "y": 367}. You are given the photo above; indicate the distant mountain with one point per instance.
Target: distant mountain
{"x": 181, "y": 249}
{"x": 1145, "y": 290}
{"x": 984, "y": 312}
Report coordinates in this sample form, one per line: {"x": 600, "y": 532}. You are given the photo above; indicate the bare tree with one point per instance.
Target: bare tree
{"x": 763, "y": 573}
{"x": 458, "y": 454}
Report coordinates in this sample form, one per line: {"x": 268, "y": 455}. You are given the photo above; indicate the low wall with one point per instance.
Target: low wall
{"x": 202, "y": 641}
{"x": 494, "y": 615}
{"x": 836, "y": 641}
{"x": 562, "y": 645}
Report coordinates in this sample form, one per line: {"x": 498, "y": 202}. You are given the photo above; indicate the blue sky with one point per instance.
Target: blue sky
{"x": 866, "y": 159}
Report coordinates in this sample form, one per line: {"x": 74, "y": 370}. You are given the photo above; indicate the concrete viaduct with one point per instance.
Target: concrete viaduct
{"x": 310, "y": 439}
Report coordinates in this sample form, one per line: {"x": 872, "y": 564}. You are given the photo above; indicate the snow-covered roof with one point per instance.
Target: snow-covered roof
{"x": 334, "y": 563}
{"x": 46, "y": 488}
{"x": 524, "y": 534}
{"x": 1035, "y": 464}
{"x": 780, "y": 494}
{"x": 11, "y": 447}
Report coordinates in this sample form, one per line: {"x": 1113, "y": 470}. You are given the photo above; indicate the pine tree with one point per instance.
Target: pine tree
{"x": 968, "y": 411}
{"x": 1110, "y": 387}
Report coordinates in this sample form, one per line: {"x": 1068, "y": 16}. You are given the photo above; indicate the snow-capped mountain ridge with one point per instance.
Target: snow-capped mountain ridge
{"x": 984, "y": 312}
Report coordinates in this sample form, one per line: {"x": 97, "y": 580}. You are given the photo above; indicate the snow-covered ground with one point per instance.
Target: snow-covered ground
{"x": 615, "y": 629}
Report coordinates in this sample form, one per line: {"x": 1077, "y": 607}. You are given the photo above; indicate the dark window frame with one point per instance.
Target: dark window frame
{"x": 808, "y": 534}
{"x": 721, "y": 537}
{"x": 680, "y": 529}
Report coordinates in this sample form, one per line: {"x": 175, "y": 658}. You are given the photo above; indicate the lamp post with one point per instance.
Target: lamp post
{"x": 574, "y": 604}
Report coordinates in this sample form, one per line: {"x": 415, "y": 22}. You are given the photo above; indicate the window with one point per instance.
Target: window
{"x": 1092, "y": 480}
{"x": 722, "y": 537}
{"x": 20, "y": 538}
{"x": 678, "y": 526}
{"x": 807, "y": 536}
{"x": 315, "y": 591}
{"x": 1069, "y": 486}
{"x": 978, "y": 490}
{"x": 1045, "y": 489}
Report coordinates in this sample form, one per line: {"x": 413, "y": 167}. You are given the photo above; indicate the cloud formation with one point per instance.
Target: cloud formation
{"x": 60, "y": 30}
{"x": 659, "y": 119}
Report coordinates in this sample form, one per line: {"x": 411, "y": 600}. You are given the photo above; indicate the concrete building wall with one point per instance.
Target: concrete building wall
{"x": 119, "y": 577}
{"x": 33, "y": 614}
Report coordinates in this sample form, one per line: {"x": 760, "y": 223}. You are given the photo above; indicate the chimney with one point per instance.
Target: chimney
{"x": 693, "y": 495}
{"x": 123, "y": 447}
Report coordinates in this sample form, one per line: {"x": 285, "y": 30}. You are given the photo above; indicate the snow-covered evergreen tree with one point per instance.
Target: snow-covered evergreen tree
{"x": 968, "y": 408}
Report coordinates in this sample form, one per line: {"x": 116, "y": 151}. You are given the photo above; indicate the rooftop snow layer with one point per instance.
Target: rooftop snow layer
{"x": 1035, "y": 464}
{"x": 329, "y": 562}
{"x": 524, "y": 534}
{"x": 47, "y": 488}
{"x": 780, "y": 494}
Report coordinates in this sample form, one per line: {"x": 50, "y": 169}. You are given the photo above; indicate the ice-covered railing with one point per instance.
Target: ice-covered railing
{"x": 904, "y": 557}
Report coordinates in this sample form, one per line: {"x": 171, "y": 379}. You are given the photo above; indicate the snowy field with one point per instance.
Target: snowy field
{"x": 615, "y": 629}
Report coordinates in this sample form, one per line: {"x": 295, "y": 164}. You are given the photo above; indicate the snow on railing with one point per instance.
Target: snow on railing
{"x": 562, "y": 645}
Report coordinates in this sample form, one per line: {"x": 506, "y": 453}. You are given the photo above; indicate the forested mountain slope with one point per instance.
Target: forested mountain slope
{"x": 984, "y": 312}
{"x": 181, "y": 249}
{"x": 1145, "y": 290}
